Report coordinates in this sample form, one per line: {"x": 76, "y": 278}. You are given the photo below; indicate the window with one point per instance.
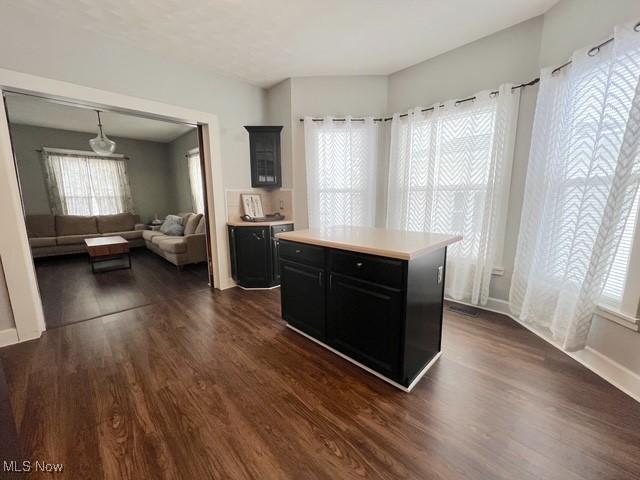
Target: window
{"x": 449, "y": 173}
{"x": 580, "y": 203}
{"x": 614, "y": 287}
{"x": 195, "y": 179}
{"x": 81, "y": 183}
{"x": 341, "y": 161}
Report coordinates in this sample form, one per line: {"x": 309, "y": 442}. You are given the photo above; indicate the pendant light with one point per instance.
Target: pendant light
{"x": 101, "y": 144}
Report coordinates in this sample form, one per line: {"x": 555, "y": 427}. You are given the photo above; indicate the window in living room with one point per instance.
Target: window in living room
{"x": 81, "y": 183}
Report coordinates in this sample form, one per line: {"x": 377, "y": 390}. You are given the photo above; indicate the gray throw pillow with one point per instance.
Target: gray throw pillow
{"x": 170, "y": 222}
{"x": 174, "y": 230}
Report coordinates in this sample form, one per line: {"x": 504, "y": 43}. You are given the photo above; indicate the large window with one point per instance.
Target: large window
{"x": 449, "y": 172}
{"x": 580, "y": 205}
{"x": 81, "y": 183}
{"x": 341, "y": 159}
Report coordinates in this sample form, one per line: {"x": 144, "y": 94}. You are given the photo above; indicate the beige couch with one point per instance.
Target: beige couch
{"x": 191, "y": 247}
{"x": 64, "y": 234}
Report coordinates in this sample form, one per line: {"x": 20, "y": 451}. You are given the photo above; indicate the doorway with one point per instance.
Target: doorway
{"x": 21, "y": 282}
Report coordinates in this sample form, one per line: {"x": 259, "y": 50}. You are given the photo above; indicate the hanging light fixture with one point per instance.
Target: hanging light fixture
{"x": 101, "y": 144}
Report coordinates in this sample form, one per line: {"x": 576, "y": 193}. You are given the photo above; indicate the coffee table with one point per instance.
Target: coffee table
{"x": 103, "y": 249}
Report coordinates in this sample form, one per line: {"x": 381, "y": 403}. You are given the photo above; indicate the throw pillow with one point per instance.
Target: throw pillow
{"x": 174, "y": 230}
{"x": 192, "y": 224}
{"x": 169, "y": 221}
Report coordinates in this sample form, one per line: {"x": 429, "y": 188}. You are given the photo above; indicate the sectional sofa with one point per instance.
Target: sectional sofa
{"x": 52, "y": 235}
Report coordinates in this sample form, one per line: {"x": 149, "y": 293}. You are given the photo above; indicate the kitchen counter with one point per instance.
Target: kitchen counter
{"x": 242, "y": 223}
{"x": 374, "y": 241}
{"x": 371, "y": 295}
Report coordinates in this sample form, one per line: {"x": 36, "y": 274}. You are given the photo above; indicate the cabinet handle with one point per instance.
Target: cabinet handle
{"x": 359, "y": 264}
{"x": 320, "y": 278}
{"x": 330, "y": 281}
{"x": 298, "y": 251}
{"x": 440, "y": 274}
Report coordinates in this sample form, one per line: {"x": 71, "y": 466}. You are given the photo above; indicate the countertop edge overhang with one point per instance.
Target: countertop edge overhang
{"x": 398, "y": 244}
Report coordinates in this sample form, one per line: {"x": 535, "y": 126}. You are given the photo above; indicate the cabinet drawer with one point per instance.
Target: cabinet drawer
{"x": 302, "y": 253}
{"x": 281, "y": 228}
{"x": 384, "y": 271}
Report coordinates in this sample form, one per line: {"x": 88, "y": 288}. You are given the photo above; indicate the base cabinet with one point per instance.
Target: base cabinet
{"x": 303, "y": 302}
{"x": 254, "y": 255}
{"x": 362, "y": 322}
{"x": 385, "y": 314}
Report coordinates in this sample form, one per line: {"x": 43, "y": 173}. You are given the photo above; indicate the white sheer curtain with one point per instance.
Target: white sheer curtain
{"x": 341, "y": 159}
{"x": 195, "y": 180}
{"x": 449, "y": 172}
{"x": 81, "y": 183}
{"x": 581, "y": 181}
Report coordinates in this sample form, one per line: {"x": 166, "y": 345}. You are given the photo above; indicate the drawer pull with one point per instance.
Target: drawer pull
{"x": 298, "y": 250}
{"x": 359, "y": 264}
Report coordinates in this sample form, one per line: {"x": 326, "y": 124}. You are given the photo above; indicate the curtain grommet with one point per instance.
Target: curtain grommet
{"x": 636, "y": 27}
{"x": 594, "y": 51}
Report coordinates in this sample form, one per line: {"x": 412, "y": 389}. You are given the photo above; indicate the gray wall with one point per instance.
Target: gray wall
{"x": 180, "y": 169}
{"x": 150, "y": 168}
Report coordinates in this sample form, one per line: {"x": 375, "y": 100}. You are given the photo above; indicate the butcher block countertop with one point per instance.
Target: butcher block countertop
{"x": 374, "y": 241}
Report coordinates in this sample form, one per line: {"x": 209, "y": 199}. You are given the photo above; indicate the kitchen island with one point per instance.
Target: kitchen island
{"x": 371, "y": 295}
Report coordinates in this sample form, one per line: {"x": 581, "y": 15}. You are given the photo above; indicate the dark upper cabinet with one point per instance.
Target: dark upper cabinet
{"x": 254, "y": 255}
{"x": 264, "y": 148}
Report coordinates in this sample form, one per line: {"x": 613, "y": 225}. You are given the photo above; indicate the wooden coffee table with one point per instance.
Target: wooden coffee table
{"x": 103, "y": 249}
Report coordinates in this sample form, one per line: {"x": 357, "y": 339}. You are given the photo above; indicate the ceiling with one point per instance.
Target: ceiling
{"x": 263, "y": 42}
{"x": 35, "y": 111}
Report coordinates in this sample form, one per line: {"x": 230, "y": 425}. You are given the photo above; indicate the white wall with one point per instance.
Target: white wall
{"x": 321, "y": 96}
{"x": 67, "y": 52}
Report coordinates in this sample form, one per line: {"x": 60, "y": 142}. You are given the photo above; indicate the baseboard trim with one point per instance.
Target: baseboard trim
{"x": 373, "y": 372}
{"x": 8, "y": 336}
{"x": 617, "y": 375}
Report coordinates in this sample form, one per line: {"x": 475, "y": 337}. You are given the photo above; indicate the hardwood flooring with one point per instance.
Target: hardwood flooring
{"x": 71, "y": 293}
{"x": 213, "y": 385}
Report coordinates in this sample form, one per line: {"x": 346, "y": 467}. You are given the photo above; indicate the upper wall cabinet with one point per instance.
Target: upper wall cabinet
{"x": 265, "y": 156}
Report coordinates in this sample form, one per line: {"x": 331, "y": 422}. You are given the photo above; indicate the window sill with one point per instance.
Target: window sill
{"x": 614, "y": 315}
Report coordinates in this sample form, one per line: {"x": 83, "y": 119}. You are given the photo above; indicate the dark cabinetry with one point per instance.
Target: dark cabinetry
{"x": 384, "y": 313}
{"x": 264, "y": 145}
{"x": 254, "y": 255}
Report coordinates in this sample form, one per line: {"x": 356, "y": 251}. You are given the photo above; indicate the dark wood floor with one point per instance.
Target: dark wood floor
{"x": 71, "y": 293}
{"x": 212, "y": 385}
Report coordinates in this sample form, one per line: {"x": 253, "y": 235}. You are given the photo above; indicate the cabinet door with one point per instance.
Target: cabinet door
{"x": 252, "y": 251}
{"x": 364, "y": 322}
{"x": 265, "y": 155}
{"x": 275, "y": 260}
{"x": 303, "y": 298}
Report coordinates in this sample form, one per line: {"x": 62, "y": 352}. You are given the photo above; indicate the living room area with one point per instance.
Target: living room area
{"x": 114, "y": 207}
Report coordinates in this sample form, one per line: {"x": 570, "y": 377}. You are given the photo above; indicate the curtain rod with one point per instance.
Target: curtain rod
{"x": 593, "y": 51}
{"x": 81, "y": 153}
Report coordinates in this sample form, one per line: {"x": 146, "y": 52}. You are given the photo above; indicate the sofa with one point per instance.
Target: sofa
{"x": 190, "y": 247}
{"x": 51, "y": 235}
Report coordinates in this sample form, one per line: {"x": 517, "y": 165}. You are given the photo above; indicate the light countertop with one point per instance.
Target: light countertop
{"x": 374, "y": 241}
{"x": 242, "y": 223}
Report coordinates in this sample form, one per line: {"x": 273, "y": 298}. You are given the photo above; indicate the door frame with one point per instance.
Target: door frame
{"x": 15, "y": 252}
